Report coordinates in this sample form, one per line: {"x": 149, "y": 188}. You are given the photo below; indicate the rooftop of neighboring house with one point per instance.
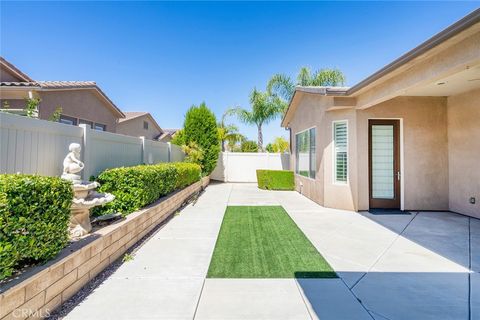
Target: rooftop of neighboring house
{"x": 11, "y": 72}
{"x": 131, "y": 115}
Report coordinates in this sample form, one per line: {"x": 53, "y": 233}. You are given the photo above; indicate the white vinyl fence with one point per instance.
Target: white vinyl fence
{"x": 242, "y": 166}
{"x": 36, "y": 146}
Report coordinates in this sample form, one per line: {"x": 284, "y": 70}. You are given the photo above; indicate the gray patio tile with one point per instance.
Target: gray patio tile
{"x": 251, "y": 299}
{"x": 475, "y": 243}
{"x": 330, "y": 299}
{"x": 145, "y": 298}
{"x": 433, "y": 242}
{"x": 164, "y": 258}
{"x": 475, "y": 295}
{"x": 415, "y": 295}
{"x": 188, "y": 228}
{"x": 396, "y": 223}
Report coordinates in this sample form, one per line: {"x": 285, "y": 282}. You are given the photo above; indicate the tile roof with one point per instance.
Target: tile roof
{"x": 129, "y": 115}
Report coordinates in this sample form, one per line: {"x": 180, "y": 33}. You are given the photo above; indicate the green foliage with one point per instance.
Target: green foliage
{"x": 55, "y": 117}
{"x": 188, "y": 173}
{"x": 279, "y": 145}
{"x": 283, "y": 86}
{"x": 135, "y": 187}
{"x": 31, "y": 106}
{"x": 275, "y": 179}
{"x": 228, "y": 134}
{"x": 265, "y": 108}
{"x": 138, "y": 186}
{"x": 249, "y": 146}
{"x": 201, "y": 127}
{"x": 179, "y": 138}
{"x": 194, "y": 154}
{"x": 34, "y": 216}
{"x": 6, "y": 105}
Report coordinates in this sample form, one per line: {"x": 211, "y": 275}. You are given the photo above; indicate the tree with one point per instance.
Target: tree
{"x": 265, "y": 108}
{"x": 194, "y": 154}
{"x": 279, "y": 145}
{"x": 200, "y": 127}
{"x": 179, "y": 138}
{"x": 283, "y": 86}
{"x": 55, "y": 116}
{"x": 249, "y": 146}
{"x": 227, "y": 133}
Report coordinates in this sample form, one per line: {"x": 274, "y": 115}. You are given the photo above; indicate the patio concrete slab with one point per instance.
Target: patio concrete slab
{"x": 475, "y": 295}
{"x": 136, "y": 298}
{"x": 166, "y": 258}
{"x": 475, "y": 244}
{"x": 415, "y": 295}
{"x": 254, "y": 299}
{"x": 322, "y": 298}
{"x": 190, "y": 228}
{"x": 395, "y": 222}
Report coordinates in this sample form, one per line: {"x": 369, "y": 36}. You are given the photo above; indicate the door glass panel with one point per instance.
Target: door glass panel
{"x": 382, "y": 162}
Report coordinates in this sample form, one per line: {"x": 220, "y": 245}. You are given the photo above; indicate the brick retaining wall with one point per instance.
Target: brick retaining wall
{"x": 38, "y": 292}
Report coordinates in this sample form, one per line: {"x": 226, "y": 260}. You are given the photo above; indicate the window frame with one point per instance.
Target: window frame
{"x": 145, "y": 125}
{"x": 86, "y": 122}
{"x": 334, "y": 154}
{"x": 296, "y": 171}
{"x": 103, "y": 126}
{"x": 68, "y": 118}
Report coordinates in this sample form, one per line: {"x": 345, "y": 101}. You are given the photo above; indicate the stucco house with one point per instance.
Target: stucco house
{"x": 407, "y": 137}
{"x": 82, "y": 102}
{"x": 139, "y": 124}
{"x": 167, "y": 135}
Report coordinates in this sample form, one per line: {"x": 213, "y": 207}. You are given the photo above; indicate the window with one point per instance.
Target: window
{"x": 305, "y": 153}
{"x": 88, "y": 123}
{"x": 67, "y": 120}
{"x": 100, "y": 127}
{"x": 340, "y": 156}
{"x": 145, "y": 125}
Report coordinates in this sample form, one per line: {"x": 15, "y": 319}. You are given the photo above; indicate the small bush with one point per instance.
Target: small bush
{"x": 275, "y": 179}
{"x": 201, "y": 127}
{"x": 188, "y": 173}
{"x": 34, "y": 216}
{"x": 135, "y": 187}
{"x": 138, "y": 186}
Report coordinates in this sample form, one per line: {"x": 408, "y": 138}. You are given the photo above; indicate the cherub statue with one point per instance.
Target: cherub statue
{"x": 72, "y": 164}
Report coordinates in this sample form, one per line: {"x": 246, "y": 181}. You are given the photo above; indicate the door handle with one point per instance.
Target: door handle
{"x": 398, "y": 175}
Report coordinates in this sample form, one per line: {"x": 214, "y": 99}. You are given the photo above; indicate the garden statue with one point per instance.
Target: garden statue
{"x": 85, "y": 196}
{"x": 71, "y": 163}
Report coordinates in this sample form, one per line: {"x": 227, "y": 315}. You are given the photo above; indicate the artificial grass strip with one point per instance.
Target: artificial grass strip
{"x": 264, "y": 242}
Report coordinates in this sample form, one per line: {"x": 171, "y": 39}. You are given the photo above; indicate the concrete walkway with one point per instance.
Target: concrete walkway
{"x": 417, "y": 266}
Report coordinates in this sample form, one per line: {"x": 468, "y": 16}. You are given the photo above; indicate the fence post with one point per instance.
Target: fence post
{"x": 86, "y": 152}
{"x": 169, "y": 152}
{"x": 143, "y": 149}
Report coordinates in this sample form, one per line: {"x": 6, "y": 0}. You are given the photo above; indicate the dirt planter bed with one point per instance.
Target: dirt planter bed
{"x": 37, "y": 292}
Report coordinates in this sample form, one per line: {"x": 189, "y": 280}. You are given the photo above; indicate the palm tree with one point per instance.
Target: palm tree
{"x": 283, "y": 86}
{"x": 265, "y": 108}
{"x": 227, "y": 133}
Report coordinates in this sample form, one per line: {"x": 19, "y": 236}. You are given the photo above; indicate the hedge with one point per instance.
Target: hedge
{"x": 200, "y": 126}
{"x": 138, "y": 186}
{"x": 275, "y": 179}
{"x": 34, "y": 216}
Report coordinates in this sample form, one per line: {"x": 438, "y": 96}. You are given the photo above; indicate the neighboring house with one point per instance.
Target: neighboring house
{"x": 81, "y": 101}
{"x": 167, "y": 135}
{"x": 139, "y": 124}
{"x": 407, "y": 137}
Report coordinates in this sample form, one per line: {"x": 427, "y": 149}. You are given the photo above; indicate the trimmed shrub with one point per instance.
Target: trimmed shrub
{"x": 275, "y": 179}
{"x": 138, "y": 186}
{"x": 201, "y": 127}
{"x": 34, "y": 216}
{"x": 188, "y": 173}
{"x": 135, "y": 187}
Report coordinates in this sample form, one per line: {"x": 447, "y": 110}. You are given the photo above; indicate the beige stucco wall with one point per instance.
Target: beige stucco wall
{"x": 82, "y": 103}
{"x": 464, "y": 152}
{"x": 310, "y": 113}
{"x": 425, "y": 150}
{"x": 134, "y": 127}
{"x": 7, "y": 76}
{"x": 425, "y": 160}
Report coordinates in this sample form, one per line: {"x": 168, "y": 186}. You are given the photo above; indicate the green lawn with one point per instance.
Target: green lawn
{"x": 264, "y": 242}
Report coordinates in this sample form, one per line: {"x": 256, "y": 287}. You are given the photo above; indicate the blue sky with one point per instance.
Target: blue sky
{"x": 163, "y": 57}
